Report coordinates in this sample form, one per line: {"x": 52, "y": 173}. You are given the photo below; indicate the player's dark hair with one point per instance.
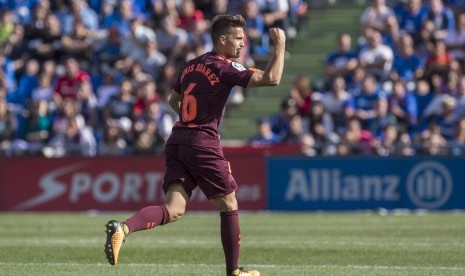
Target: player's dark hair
{"x": 221, "y": 24}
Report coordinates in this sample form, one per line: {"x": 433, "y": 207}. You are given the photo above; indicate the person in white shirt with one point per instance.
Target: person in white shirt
{"x": 376, "y": 58}
{"x": 377, "y": 15}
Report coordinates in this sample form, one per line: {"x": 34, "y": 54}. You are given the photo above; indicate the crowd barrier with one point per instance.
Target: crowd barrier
{"x": 268, "y": 180}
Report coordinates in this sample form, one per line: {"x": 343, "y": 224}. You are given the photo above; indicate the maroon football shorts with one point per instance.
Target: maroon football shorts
{"x": 198, "y": 166}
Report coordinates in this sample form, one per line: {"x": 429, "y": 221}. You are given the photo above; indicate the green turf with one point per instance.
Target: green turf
{"x": 276, "y": 244}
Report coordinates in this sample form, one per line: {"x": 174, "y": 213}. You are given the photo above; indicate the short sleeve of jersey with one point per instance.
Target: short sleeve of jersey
{"x": 233, "y": 73}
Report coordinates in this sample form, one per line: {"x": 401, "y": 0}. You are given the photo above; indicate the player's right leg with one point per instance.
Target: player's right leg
{"x": 147, "y": 218}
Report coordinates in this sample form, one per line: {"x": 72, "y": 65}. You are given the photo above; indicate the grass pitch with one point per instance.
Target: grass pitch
{"x": 274, "y": 243}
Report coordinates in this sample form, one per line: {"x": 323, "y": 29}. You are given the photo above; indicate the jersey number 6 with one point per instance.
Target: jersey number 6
{"x": 189, "y": 104}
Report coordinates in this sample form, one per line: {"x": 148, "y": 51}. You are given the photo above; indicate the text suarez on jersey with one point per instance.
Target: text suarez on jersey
{"x": 202, "y": 68}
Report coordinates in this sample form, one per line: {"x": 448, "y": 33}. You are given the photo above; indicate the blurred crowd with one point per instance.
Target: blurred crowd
{"x": 398, "y": 89}
{"x": 92, "y": 77}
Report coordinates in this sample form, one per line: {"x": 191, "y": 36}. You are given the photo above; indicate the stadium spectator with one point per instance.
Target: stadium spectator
{"x": 255, "y": 28}
{"x": 403, "y": 106}
{"x": 424, "y": 97}
{"x": 47, "y": 44}
{"x": 335, "y": 103}
{"x": 87, "y": 104}
{"x": 275, "y": 13}
{"x": 107, "y": 89}
{"x": 307, "y": 145}
{"x": 407, "y": 64}
{"x": 7, "y": 25}
{"x": 78, "y": 43}
{"x": 411, "y": 18}
{"x": 438, "y": 62}
{"x": 152, "y": 60}
{"x": 7, "y": 73}
{"x": 377, "y": 15}
{"x": 343, "y": 61}
{"x": 64, "y": 14}
{"x": 38, "y": 126}
{"x": 112, "y": 142}
{"x": 280, "y": 122}
{"x": 118, "y": 111}
{"x": 442, "y": 18}
{"x": 35, "y": 28}
{"x": 8, "y": 128}
{"x": 376, "y": 58}
{"x": 432, "y": 143}
{"x": 149, "y": 141}
{"x": 364, "y": 105}
{"x": 170, "y": 39}
{"x": 68, "y": 85}
{"x": 44, "y": 90}
{"x": 109, "y": 51}
{"x": 301, "y": 93}
{"x": 198, "y": 40}
{"x": 296, "y": 130}
{"x": 321, "y": 126}
{"x": 27, "y": 82}
{"x": 70, "y": 135}
{"x": 382, "y": 118}
{"x": 189, "y": 15}
{"x": 446, "y": 121}
{"x": 16, "y": 47}
{"x": 20, "y": 9}
{"x": 265, "y": 136}
{"x": 164, "y": 121}
{"x": 387, "y": 143}
{"x": 82, "y": 12}
{"x": 457, "y": 145}
{"x": 167, "y": 76}
{"x": 120, "y": 18}
{"x": 392, "y": 34}
{"x": 460, "y": 98}
{"x": 359, "y": 141}
{"x": 455, "y": 41}
{"x": 133, "y": 44}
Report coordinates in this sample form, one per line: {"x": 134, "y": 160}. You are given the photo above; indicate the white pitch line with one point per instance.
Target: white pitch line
{"x": 359, "y": 267}
{"x": 93, "y": 241}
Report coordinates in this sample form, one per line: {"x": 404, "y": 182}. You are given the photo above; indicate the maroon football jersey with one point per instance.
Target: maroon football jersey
{"x": 204, "y": 85}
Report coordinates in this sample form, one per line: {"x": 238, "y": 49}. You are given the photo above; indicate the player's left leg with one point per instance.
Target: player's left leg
{"x": 146, "y": 218}
{"x": 230, "y": 234}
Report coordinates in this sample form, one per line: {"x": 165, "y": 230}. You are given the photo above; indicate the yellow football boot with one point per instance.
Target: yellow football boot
{"x": 243, "y": 272}
{"x": 115, "y": 239}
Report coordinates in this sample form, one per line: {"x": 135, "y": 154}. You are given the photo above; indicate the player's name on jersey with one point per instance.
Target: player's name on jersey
{"x": 202, "y": 68}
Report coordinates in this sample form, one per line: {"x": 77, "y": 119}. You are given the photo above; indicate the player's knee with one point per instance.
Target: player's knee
{"x": 227, "y": 203}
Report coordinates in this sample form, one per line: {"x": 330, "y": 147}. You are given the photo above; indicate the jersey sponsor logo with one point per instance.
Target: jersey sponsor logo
{"x": 238, "y": 66}
{"x": 429, "y": 185}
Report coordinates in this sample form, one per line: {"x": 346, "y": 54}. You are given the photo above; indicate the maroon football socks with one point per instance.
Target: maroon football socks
{"x": 230, "y": 238}
{"x": 148, "y": 218}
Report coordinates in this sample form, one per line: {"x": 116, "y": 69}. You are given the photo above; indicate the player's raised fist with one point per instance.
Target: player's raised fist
{"x": 277, "y": 35}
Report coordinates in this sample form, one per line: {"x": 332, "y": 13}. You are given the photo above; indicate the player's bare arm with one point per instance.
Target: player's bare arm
{"x": 274, "y": 70}
{"x": 174, "y": 101}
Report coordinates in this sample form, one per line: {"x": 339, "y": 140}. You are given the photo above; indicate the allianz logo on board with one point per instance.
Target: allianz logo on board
{"x": 429, "y": 185}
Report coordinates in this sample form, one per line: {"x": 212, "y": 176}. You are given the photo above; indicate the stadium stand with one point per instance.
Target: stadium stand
{"x": 92, "y": 77}
{"x": 399, "y": 89}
